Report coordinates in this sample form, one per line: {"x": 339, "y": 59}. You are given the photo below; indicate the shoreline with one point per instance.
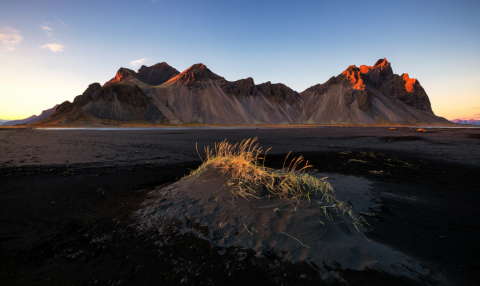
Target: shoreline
{"x": 128, "y": 126}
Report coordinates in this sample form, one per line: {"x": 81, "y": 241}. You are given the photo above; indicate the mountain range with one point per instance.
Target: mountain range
{"x": 160, "y": 94}
{"x": 31, "y": 119}
{"x": 467, "y": 121}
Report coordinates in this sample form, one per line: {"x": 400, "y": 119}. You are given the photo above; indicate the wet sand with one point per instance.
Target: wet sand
{"x": 67, "y": 199}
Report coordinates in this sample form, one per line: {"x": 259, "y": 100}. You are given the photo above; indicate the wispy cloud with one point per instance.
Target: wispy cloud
{"x": 47, "y": 30}
{"x": 138, "y": 62}
{"x": 60, "y": 21}
{"x": 53, "y": 47}
{"x": 10, "y": 37}
{"x": 476, "y": 107}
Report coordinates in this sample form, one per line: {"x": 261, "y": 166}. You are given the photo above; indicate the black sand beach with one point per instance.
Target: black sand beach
{"x": 67, "y": 199}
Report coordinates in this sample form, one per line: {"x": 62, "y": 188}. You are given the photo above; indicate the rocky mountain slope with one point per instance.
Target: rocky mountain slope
{"x": 369, "y": 95}
{"x": 199, "y": 95}
{"x": 120, "y": 101}
{"x": 68, "y": 113}
{"x": 160, "y": 94}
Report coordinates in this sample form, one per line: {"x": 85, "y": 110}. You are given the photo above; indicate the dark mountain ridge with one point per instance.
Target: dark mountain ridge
{"x": 359, "y": 95}
{"x": 153, "y": 75}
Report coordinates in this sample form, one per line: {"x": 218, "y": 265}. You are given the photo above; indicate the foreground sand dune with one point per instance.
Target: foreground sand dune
{"x": 269, "y": 225}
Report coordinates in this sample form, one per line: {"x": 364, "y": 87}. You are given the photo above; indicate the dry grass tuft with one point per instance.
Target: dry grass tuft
{"x": 244, "y": 162}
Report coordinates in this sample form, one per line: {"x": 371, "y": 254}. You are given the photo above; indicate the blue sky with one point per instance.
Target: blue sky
{"x": 50, "y": 51}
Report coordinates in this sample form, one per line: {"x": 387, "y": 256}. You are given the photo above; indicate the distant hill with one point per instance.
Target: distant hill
{"x": 468, "y": 121}
{"x": 3, "y": 121}
{"x": 161, "y": 94}
{"x": 33, "y": 118}
{"x": 68, "y": 113}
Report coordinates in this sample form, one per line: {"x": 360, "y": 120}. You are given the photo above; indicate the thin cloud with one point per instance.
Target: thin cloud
{"x": 476, "y": 107}
{"x": 47, "y": 30}
{"x": 10, "y": 37}
{"x": 60, "y": 21}
{"x": 53, "y": 47}
{"x": 138, "y": 62}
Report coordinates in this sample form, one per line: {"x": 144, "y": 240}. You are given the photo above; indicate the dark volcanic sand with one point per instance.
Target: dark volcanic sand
{"x": 67, "y": 198}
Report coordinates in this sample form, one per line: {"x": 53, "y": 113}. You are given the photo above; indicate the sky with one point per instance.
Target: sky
{"x": 50, "y": 51}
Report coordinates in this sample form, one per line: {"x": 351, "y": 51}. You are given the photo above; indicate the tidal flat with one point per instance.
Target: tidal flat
{"x": 68, "y": 200}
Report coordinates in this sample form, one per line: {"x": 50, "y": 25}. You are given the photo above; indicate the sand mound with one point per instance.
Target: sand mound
{"x": 311, "y": 231}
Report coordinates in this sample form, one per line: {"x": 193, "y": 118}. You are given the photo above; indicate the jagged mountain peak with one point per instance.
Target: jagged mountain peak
{"x": 410, "y": 92}
{"x": 359, "y": 95}
{"x": 195, "y": 74}
{"x": 87, "y": 95}
{"x": 360, "y": 81}
{"x": 377, "y": 74}
{"x": 250, "y": 79}
{"x": 241, "y": 87}
{"x": 200, "y": 72}
{"x": 278, "y": 92}
{"x": 162, "y": 65}
{"x": 354, "y": 76}
{"x": 156, "y": 74}
{"x": 382, "y": 63}
{"x": 410, "y": 83}
{"x": 379, "y": 66}
{"x": 152, "y": 75}
{"x": 199, "y": 66}
{"x": 123, "y": 74}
